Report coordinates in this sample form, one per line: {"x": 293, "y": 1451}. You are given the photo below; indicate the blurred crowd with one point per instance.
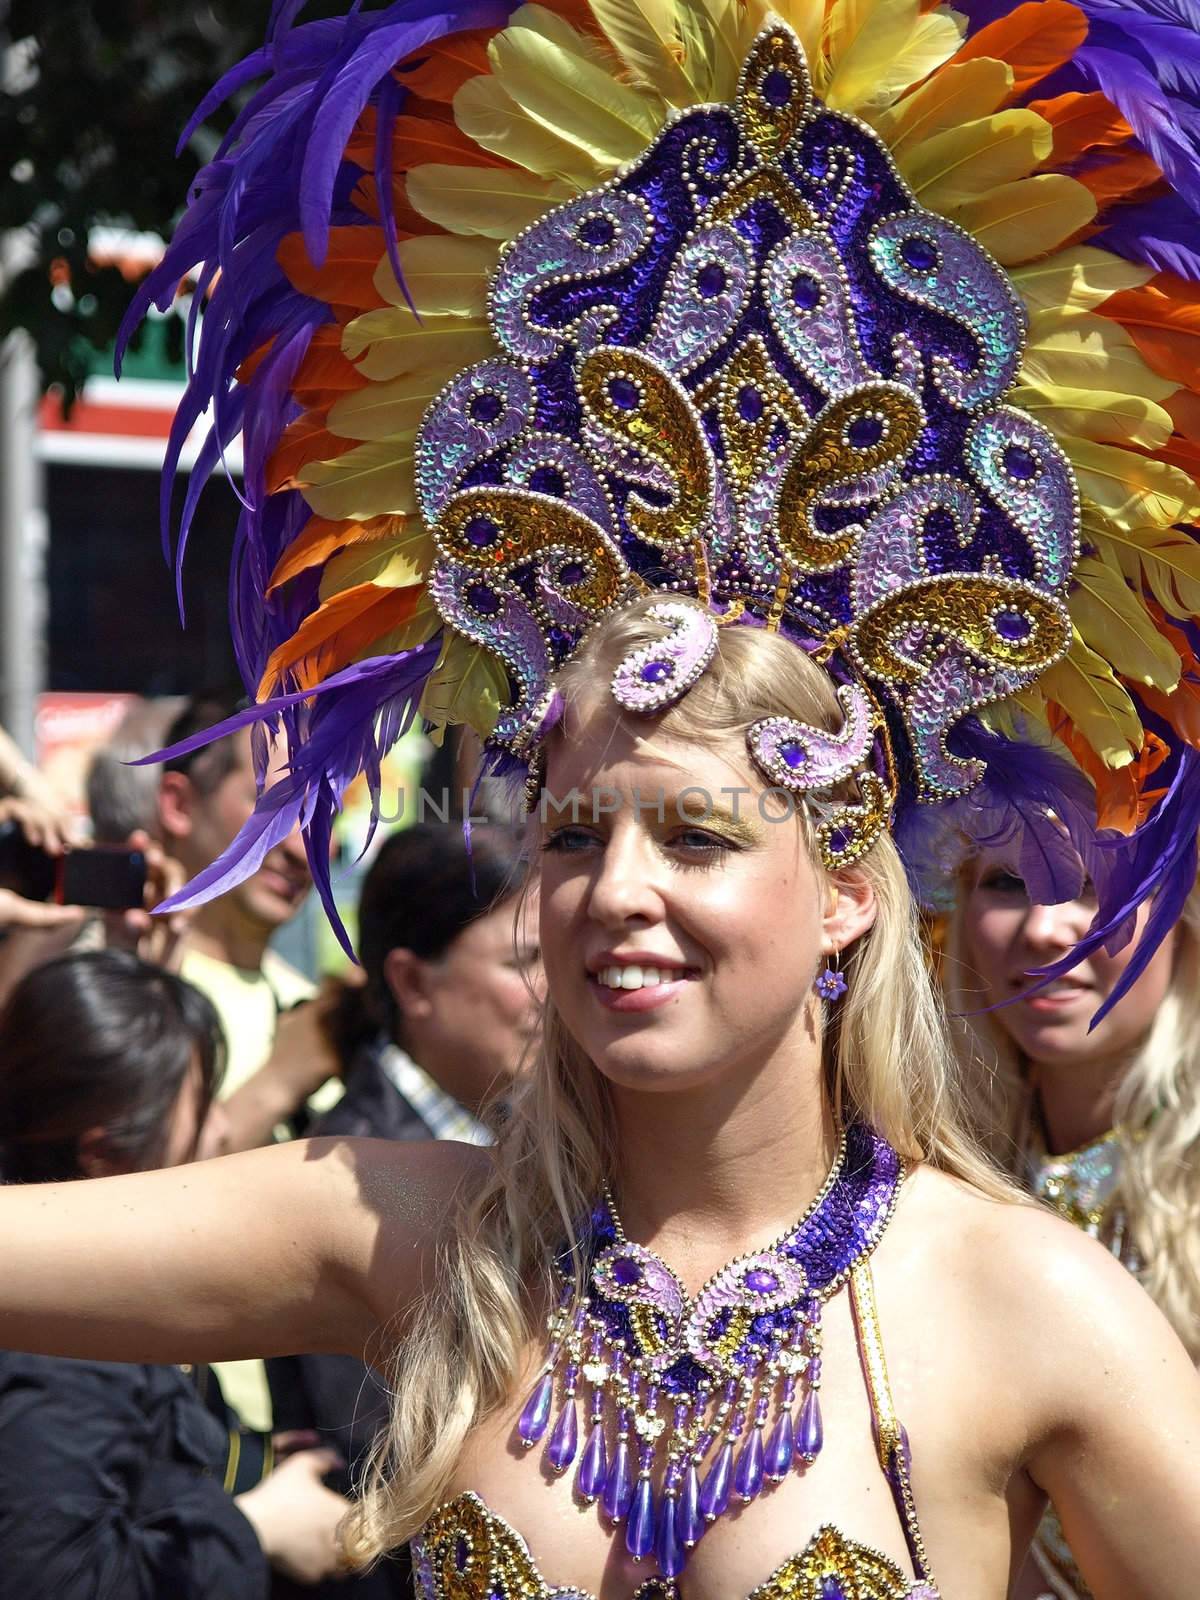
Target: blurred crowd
{"x": 133, "y": 1039}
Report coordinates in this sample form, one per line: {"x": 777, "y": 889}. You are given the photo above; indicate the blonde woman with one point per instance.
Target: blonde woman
{"x": 713, "y": 1096}
{"x": 740, "y": 525}
{"x": 1103, "y": 1122}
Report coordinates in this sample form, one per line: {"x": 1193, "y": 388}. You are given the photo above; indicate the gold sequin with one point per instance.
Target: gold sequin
{"x": 529, "y": 528}
{"x": 826, "y": 458}
{"x": 961, "y": 607}
{"x": 774, "y": 91}
{"x": 662, "y": 425}
{"x": 863, "y": 1573}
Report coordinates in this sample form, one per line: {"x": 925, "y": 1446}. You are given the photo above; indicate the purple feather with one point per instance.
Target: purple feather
{"x": 339, "y": 740}
{"x": 1163, "y": 233}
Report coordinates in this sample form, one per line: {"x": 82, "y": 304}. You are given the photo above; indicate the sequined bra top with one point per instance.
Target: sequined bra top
{"x": 743, "y": 1354}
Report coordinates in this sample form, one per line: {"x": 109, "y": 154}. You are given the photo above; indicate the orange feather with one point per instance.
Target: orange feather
{"x": 325, "y": 372}
{"x": 1165, "y": 327}
{"x": 439, "y": 72}
{"x": 337, "y": 633}
{"x": 1082, "y": 122}
{"x": 409, "y": 223}
{"x": 305, "y": 440}
{"x": 1184, "y": 407}
{"x": 1122, "y": 799}
{"x": 319, "y": 539}
{"x": 347, "y": 278}
{"x": 1120, "y": 176}
{"x": 416, "y": 139}
{"x": 1034, "y": 40}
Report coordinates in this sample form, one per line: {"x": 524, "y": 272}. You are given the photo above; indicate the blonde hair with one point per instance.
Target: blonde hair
{"x": 887, "y": 1059}
{"x": 1156, "y": 1115}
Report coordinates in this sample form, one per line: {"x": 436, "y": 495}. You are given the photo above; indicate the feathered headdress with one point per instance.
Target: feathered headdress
{"x": 872, "y": 321}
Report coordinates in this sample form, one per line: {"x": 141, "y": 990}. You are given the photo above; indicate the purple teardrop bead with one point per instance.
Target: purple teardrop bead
{"x": 811, "y": 1433}
{"x": 714, "y": 1497}
{"x": 537, "y": 1411}
{"x": 639, "y": 1533}
{"x": 668, "y": 1548}
{"x": 689, "y": 1518}
{"x": 748, "y": 1477}
{"x": 781, "y": 1447}
{"x": 564, "y": 1441}
{"x": 618, "y": 1486}
{"x": 593, "y": 1464}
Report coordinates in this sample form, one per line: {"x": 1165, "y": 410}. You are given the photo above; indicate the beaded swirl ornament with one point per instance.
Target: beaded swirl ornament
{"x": 711, "y": 1397}
{"x": 752, "y": 370}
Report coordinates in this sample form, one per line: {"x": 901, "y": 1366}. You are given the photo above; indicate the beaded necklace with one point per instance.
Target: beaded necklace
{"x": 682, "y": 1390}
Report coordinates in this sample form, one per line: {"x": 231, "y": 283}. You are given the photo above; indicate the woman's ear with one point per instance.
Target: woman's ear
{"x": 94, "y": 1155}
{"x": 850, "y": 909}
{"x": 407, "y": 979}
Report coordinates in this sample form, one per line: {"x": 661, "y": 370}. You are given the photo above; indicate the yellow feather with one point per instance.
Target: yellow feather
{"x": 577, "y": 100}
{"x": 971, "y": 161}
{"x": 1132, "y": 490}
{"x": 489, "y": 116}
{"x": 496, "y": 202}
{"x": 806, "y": 18}
{"x": 1100, "y": 414}
{"x": 388, "y": 410}
{"x": 960, "y": 93}
{"x": 422, "y": 625}
{"x": 1081, "y": 277}
{"x": 717, "y": 35}
{"x": 446, "y": 276}
{"x": 645, "y": 34}
{"x": 388, "y": 344}
{"x": 844, "y": 21}
{"x": 1165, "y": 560}
{"x": 390, "y": 564}
{"x": 372, "y": 480}
{"x": 1084, "y": 686}
{"x": 1024, "y": 220}
{"x": 1114, "y": 622}
{"x": 899, "y": 48}
{"x": 468, "y": 684}
{"x": 1083, "y": 351}
{"x": 1021, "y": 716}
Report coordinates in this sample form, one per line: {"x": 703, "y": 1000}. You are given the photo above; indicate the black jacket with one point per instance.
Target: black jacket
{"x": 340, "y": 1397}
{"x": 112, "y": 1487}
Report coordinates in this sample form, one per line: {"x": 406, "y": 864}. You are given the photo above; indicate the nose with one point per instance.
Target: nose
{"x": 623, "y": 891}
{"x": 1052, "y": 928}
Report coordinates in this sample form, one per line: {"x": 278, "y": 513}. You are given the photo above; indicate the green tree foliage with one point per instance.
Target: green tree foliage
{"x": 96, "y": 93}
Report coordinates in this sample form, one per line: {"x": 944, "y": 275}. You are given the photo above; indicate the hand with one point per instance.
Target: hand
{"x": 48, "y": 830}
{"x": 302, "y": 1058}
{"x": 35, "y": 933}
{"x": 296, "y": 1517}
{"x": 157, "y": 939}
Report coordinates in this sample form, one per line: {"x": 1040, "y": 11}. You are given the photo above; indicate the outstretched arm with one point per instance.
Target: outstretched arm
{"x": 1121, "y": 1454}
{"x": 311, "y": 1246}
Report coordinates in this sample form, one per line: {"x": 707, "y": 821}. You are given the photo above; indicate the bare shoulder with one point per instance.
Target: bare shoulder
{"x": 1049, "y": 1308}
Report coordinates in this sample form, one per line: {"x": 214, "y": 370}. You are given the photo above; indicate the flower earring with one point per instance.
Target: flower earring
{"x": 830, "y": 983}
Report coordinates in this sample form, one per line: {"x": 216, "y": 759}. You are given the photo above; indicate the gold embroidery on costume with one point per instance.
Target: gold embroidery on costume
{"x": 466, "y": 1552}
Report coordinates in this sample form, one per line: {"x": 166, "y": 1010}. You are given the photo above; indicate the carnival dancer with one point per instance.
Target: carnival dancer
{"x": 761, "y": 538}
{"x": 1099, "y": 1123}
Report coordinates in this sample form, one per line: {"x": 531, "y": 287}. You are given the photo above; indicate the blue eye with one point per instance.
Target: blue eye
{"x": 567, "y": 841}
{"x": 1002, "y": 882}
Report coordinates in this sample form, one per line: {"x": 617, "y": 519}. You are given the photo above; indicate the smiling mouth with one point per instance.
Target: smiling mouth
{"x": 633, "y": 976}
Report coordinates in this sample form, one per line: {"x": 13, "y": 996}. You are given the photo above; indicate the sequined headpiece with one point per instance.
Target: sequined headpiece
{"x": 753, "y": 369}
{"x": 841, "y": 338}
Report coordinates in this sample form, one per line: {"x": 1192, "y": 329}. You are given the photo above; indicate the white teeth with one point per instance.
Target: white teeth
{"x": 633, "y": 977}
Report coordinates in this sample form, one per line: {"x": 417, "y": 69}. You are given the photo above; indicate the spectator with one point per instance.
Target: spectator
{"x": 112, "y": 1476}
{"x": 449, "y": 1012}
{"x": 123, "y": 799}
{"x": 203, "y": 799}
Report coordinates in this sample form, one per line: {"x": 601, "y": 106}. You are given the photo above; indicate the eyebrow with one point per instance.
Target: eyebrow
{"x": 685, "y": 808}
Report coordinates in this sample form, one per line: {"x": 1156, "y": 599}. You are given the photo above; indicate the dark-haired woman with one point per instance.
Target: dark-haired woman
{"x": 116, "y": 1481}
{"x": 437, "y": 1035}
